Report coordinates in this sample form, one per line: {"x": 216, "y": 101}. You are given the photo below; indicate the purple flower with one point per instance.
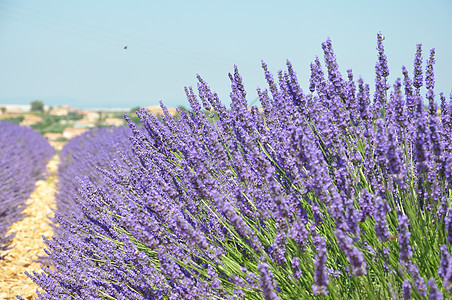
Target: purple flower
{"x": 337, "y": 84}
{"x": 24, "y": 154}
{"x": 313, "y": 78}
{"x": 297, "y": 273}
{"x": 444, "y": 261}
{"x": 381, "y": 143}
{"x": 382, "y": 60}
{"x": 381, "y": 73}
{"x": 429, "y": 75}
{"x": 320, "y": 273}
{"x": 176, "y": 208}
{"x": 271, "y": 82}
{"x": 448, "y": 169}
{"x": 279, "y": 248}
{"x": 381, "y": 226}
{"x": 363, "y": 101}
{"x": 267, "y": 283}
{"x": 448, "y": 223}
{"x": 435, "y": 139}
{"x": 410, "y": 103}
{"x": 435, "y": 293}
{"x": 366, "y": 203}
{"x": 397, "y": 107}
{"x": 421, "y": 146}
{"x": 404, "y": 239}
{"x": 430, "y": 84}
{"x": 355, "y": 257}
{"x": 445, "y": 120}
{"x": 406, "y": 289}
{"x": 294, "y": 87}
{"x": 351, "y": 103}
{"x": 396, "y": 165}
{"x": 417, "y": 76}
{"x": 300, "y": 234}
{"x": 419, "y": 282}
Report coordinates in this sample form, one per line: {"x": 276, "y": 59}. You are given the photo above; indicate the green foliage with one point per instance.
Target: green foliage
{"x": 16, "y": 120}
{"x": 101, "y": 125}
{"x": 135, "y": 119}
{"x": 37, "y": 105}
{"x": 50, "y": 124}
{"x": 46, "y": 127}
{"x": 134, "y": 110}
{"x": 54, "y": 124}
{"x": 73, "y": 116}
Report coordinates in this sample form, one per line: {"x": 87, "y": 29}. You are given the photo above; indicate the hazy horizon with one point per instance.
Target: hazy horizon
{"x": 74, "y": 52}
{"x": 73, "y": 103}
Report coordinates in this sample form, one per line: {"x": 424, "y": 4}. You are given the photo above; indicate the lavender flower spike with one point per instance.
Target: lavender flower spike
{"x": 435, "y": 293}
{"x": 404, "y": 240}
{"x": 417, "y": 76}
{"x": 354, "y": 256}
{"x": 406, "y": 288}
{"x": 320, "y": 274}
{"x": 267, "y": 283}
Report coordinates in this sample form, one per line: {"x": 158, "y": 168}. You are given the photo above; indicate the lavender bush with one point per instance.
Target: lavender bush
{"x": 83, "y": 158}
{"x": 23, "y": 157}
{"x": 320, "y": 194}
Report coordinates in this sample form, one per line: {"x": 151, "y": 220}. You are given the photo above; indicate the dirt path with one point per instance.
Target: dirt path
{"x": 28, "y": 242}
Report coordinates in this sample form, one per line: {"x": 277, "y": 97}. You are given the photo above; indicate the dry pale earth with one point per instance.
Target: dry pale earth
{"x": 28, "y": 243}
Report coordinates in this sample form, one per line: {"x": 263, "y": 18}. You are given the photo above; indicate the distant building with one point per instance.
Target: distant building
{"x": 70, "y": 133}
{"x": 14, "y": 111}
{"x": 19, "y": 108}
{"x": 30, "y": 120}
{"x": 84, "y": 123}
{"x": 113, "y": 122}
{"x": 157, "y": 110}
{"x": 110, "y": 110}
{"x": 59, "y": 111}
{"x": 91, "y": 115}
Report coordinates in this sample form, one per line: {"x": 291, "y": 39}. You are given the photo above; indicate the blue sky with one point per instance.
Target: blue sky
{"x": 71, "y": 52}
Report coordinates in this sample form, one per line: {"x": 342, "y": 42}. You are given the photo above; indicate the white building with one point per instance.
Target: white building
{"x": 23, "y": 108}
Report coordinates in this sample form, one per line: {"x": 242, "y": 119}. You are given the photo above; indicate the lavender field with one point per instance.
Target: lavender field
{"x": 329, "y": 193}
{"x": 23, "y": 157}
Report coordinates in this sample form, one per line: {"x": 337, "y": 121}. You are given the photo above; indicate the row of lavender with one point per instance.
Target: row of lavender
{"x": 321, "y": 194}
{"x": 23, "y": 157}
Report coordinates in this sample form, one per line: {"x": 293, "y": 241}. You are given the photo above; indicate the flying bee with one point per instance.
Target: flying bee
{"x": 382, "y": 37}
{"x": 125, "y": 47}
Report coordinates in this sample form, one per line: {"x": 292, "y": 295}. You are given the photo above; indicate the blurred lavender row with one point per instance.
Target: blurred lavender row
{"x": 319, "y": 193}
{"x": 24, "y": 154}
{"x": 83, "y": 159}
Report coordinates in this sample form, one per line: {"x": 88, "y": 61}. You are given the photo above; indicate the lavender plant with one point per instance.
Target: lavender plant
{"x": 323, "y": 194}
{"x": 23, "y": 157}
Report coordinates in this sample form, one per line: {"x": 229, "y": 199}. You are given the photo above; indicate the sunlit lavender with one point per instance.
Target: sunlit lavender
{"x": 329, "y": 193}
